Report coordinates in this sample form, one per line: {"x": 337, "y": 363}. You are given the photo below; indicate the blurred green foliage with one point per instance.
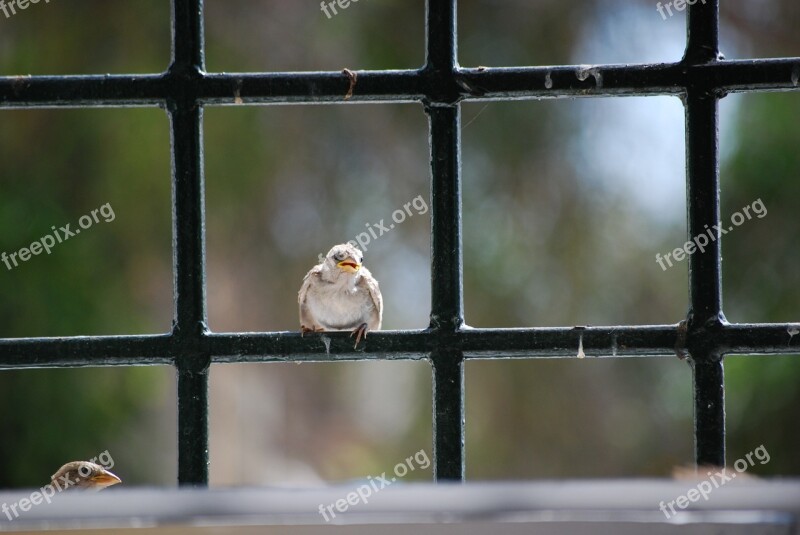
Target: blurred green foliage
{"x": 113, "y": 278}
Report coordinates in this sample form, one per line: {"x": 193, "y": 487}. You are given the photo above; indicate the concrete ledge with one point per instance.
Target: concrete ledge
{"x": 597, "y": 506}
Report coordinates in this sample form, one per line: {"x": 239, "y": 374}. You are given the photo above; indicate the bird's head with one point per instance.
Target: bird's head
{"x": 345, "y": 258}
{"x": 84, "y": 475}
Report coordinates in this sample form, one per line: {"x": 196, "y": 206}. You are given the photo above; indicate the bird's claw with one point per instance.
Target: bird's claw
{"x": 360, "y": 331}
{"x": 304, "y": 330}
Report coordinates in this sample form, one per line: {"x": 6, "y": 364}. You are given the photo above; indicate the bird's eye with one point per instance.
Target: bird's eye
{"x": 338, "y": 256}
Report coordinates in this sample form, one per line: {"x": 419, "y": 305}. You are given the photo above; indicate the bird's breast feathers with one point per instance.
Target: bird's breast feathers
{"x": 337, "y": 307}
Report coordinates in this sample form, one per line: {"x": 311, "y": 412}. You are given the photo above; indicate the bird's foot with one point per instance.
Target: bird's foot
{"x": 304, "y": 330}
{"x": 360, "y": 332}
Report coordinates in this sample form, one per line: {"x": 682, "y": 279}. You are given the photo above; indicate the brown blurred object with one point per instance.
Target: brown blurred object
{"x": 689, "y": 472}
{"x": 83, "y": 475}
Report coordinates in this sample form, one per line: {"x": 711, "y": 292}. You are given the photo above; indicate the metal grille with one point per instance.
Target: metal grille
{"x": 700, "y": 79}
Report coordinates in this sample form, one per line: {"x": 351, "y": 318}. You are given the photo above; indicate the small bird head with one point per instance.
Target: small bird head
{"x": 345, "y": 257}
{"x": 84, "y": 475}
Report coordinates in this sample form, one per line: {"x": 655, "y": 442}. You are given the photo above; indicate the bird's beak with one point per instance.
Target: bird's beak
{"x": 349, "y": 265}
{"x": 105, "y": 479}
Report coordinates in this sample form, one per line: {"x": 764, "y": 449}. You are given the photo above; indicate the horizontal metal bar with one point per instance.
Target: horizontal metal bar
{"x": 610, "y": 80}
{"x": 315, "y": 87}
{"x": 155, "y": 90}
{"x": 83, "y": 91}
{"x": 86, "y": 351}
{"x": 289, "y": 346}
{"x": 475, "y": 343}
{"x": 400, "y": 85}
{"x": 759, "y": 338}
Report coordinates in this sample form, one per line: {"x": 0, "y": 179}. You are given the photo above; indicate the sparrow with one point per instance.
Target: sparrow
{"x": 340, "y": 294}
{"x": 83, "y": 475}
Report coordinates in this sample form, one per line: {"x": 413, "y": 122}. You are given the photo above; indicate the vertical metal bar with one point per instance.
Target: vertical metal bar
{"x": 705, "y": 267}
{"x": 446, "y": 292}
{"x": 448, "y": 415}
{"x": 702, "y": 32}
{"x": 447, "y": 310}
{"x": 187, "y": 33}
{"x": 705, "y": 277}
{"x": 703, "y": 206}
{"x": 193, "y": 424}
{"x": 709, "y": 412}
{"x": 189, "y": 214}
{"x": 189, "y": 243}
{"x": 445, "y": 137}
{"x": 441, "y": 35}
{"x": 193, "y": 362}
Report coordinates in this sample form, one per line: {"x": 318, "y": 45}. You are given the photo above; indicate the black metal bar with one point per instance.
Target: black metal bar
{"x": 705, "y": 277}
{"x": 187, "y": 34}
{"x": 705, "y": 319}
{"x": 556, "y": 342}
{"x": 404, "y": 85}
{"x": 193, "y": 360}
{"x": 702, "y": 32}
{"x": 441, "y": 43}
{"x": 190, "y": 322}
{"x": 448, "y": 415}
{"x": 85, "y": 351}
{"x": 447, "y": 309}
{"x": 188, "y": 217}
{"x": 709, "y": 412}
{"x": 322, "y": 87}
{"x": 193, "y": 421}
{"x": 703, "y": 206}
